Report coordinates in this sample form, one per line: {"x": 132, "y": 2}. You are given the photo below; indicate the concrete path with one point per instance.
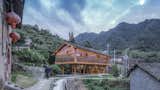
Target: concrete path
{"x": 43, "y": 84}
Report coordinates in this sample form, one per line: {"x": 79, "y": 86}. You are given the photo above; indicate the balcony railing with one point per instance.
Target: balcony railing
{"x": 86, "y": 59}
{"x": 91, "y": 59}
{"x": 64, "y": 59}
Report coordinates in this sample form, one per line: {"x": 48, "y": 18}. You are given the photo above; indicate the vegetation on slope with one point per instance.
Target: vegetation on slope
{"x": 142, "y": 39}
{"x": 106, "y": 84}
{"x": 43, "y": 44}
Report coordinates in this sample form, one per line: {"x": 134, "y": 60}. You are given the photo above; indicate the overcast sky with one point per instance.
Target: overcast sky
{"x": 78, "y": 16}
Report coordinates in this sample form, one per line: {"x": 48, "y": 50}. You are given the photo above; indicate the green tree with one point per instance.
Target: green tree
{"x": 87, "y": 44}
{"x": 115, "y": 71}
{"x": 29, "y": 56}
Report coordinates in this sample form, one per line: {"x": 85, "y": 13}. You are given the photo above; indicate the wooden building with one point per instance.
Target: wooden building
{"x": 82, "y": 60}
{"x": 6, "y": 6}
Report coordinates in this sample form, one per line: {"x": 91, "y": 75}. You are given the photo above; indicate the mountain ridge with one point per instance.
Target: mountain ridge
{"x": 142, "y": 36}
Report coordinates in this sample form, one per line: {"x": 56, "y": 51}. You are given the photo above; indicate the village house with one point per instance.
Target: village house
{"x": 82, "y": 60}
{"x": 10, "y": 18}
{"x": 145, "y": 76}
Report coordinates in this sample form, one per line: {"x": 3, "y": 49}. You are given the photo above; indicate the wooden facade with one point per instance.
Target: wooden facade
{"x": 5, "y": 40}
{"x": 81, "y": 59}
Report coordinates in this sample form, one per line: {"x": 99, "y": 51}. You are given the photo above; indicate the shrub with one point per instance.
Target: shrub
{"x": 115, "y": 71}
{"x": 30, "y": 56}
{"x": 56, "y": 69}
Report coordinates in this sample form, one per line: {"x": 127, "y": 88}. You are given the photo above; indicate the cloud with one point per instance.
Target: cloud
{"x": 73, "y": 7}
{"x": 78, "y": 16}
{"x": 57, "y": 20}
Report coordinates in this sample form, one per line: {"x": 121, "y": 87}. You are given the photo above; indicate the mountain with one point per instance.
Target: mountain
{"x": 144, "y": 36}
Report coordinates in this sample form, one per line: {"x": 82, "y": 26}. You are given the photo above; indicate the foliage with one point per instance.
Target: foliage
{"x": 15, "y": 73}
{"x": 43, "y": 43}
{"x": 106, "y": 84}
{"x": 55, "y": 69}
{"x": 115, "y": 71}
{"x": 143, "y": 36}
{"x": 51, "y": 59}
{"x": 151, "y": 56}
{"x": 87, "y": 44}
{"x": 30, "y": 56}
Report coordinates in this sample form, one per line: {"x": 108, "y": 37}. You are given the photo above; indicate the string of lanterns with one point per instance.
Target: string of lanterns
{"x": 13, "y": 20}
{"x": 14, "y": 36}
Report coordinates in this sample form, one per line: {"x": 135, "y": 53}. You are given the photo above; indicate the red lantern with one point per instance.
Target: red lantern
{"x": 14, "y": 36}
{"x": 12, "y": 19}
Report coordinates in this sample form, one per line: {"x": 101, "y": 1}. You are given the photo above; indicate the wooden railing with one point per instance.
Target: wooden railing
{"x": 91, "y": 59}
{"x": 64, "y": 59}
{"x": 87, "y": 60}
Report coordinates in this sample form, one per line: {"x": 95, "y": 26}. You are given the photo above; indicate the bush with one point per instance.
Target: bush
{"x": 56, "y": 69}
{"x": 106, "y": 84}
{"x": 30, "y": 56}
{"x": 153, "y": 56}
{"x": 115, "y": 71}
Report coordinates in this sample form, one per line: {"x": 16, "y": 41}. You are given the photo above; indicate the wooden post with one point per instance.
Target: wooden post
{"x": 62, "y": 69}
{"x": 84, "y": 69}
{"x": 104, "y": 69}
{"x": 74, "y": 66}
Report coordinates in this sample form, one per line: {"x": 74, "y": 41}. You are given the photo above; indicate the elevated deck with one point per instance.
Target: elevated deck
{"x": 91, "y": 60}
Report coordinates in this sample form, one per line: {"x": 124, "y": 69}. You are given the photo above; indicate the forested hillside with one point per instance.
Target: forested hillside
{"x": 143, "y": 36}
{"x": 43, "y": 43}
{"x": 142, "y": 39}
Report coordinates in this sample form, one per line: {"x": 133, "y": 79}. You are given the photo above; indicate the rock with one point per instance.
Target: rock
{"x": 74, "y": 84}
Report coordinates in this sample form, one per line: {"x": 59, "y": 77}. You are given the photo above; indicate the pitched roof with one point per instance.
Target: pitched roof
{"x": 153, "y": 69}
{"x": 81, "y": 47}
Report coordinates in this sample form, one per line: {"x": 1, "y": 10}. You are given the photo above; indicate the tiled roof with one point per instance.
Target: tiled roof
{"x": 88, "y": 49}
{"x": 153, "y": 69}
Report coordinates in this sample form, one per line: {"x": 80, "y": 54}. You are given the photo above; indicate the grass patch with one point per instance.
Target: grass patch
{"x": 23, "y": 79}
{"x": 107, "y": 84}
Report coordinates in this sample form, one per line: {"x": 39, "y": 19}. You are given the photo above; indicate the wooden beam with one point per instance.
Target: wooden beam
{"x": 88, "y": 63}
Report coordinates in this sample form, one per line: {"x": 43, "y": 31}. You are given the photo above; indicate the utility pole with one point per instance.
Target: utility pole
{"x": 114, "y": 56}
{"x": 108, "y": 46}
{"x": 126, "y": 61}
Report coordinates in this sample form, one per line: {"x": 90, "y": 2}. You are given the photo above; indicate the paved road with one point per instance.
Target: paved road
{"x": 44, "y": 84}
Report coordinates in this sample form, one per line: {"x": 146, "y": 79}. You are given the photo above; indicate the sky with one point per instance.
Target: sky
{"x": 78, "y": 16}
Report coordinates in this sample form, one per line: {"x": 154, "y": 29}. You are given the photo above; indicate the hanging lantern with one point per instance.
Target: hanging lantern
{"x": 14, "y": 36}
{"x": 12, "y": 19}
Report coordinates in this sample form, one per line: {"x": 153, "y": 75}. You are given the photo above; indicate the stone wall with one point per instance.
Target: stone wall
{"x": 5, "y": 48}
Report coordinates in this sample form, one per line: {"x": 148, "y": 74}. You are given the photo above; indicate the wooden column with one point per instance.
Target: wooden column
{"x": 75, "y": 69}
{"x": 104, "y": 69}
{"x": 84, "y": 69}
{"x": 62, "y": 69}
{"x": 72, "y": 68}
